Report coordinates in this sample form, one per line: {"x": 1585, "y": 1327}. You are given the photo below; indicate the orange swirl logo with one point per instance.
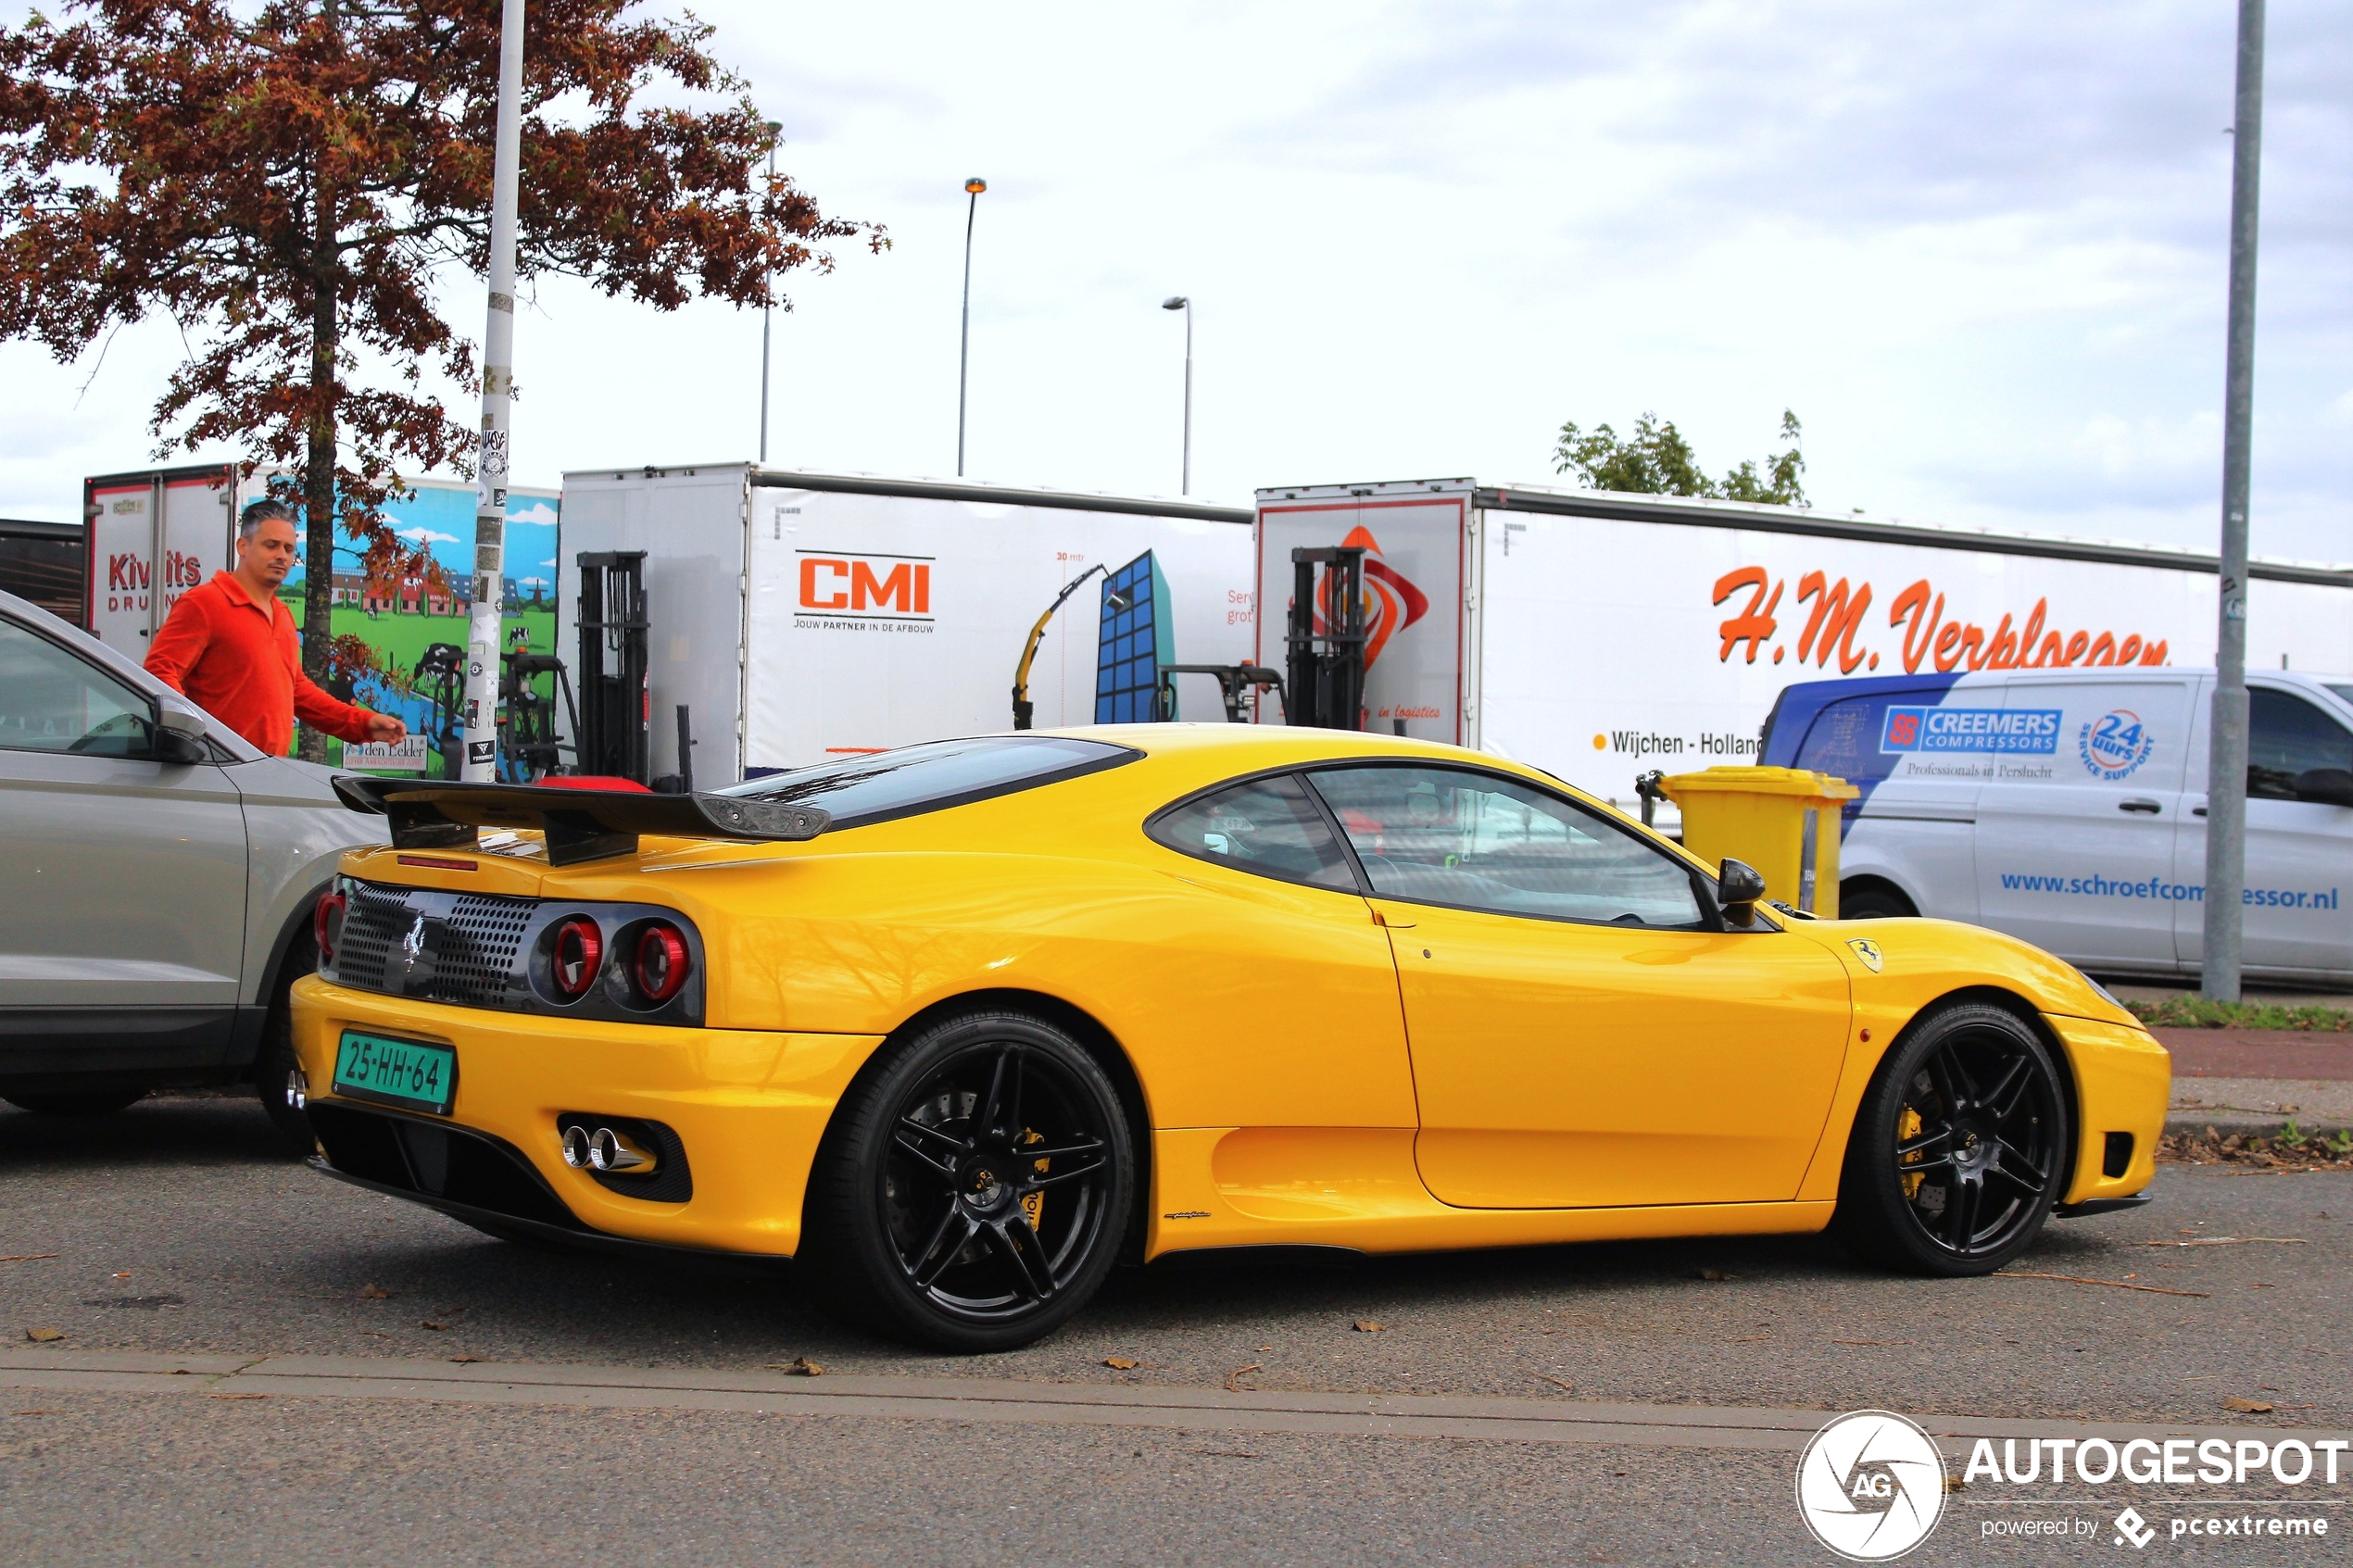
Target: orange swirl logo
{"x": 1391, "y": 603}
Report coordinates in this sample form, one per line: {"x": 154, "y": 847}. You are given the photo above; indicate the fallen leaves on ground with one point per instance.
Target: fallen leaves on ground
{"x": 466, "y": 1361}
{"x": 2234, "y": 1241}
{"x": 2247, "y": 1407}
{"x": 1712, "y": 1273}
{"x": 1565, "y": 1388}
{"x": 1121, "y": 1364}
{"x": 437, "y": 1327}
{"x": 43, "y": 1336}
{"x": 1366, "y": 1326}
{"x": 240, "y": 1396}
{"x": 25, "y": 1257}
{"x": 799, "y": 1366}
{"x": 2307, "y": 1152}
{"x": 375, "y": 1292}
{"x": 1239, "y": 1371}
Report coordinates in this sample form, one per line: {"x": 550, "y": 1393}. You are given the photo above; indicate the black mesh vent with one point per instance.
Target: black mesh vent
{"x": 472, "y": 942}
{"x": 374, "y": 920}
{"x": 432, "y": 1160}
{"x": 478, "y": 948}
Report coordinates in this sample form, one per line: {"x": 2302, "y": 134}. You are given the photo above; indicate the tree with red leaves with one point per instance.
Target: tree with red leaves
{"x": 288, "y": 182}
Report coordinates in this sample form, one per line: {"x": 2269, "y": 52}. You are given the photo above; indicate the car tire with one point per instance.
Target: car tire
{"x": 274, "y": 1063}
{"x": 929, "y": 1216}
{"x": 1960, "y": 1146}
{"x": 1874, "y": 900}
{"x": 87, "y": 1102}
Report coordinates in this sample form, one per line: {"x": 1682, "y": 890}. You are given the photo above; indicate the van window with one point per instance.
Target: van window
{"x": 1844, "y": 739}
{"x": 2287, "y": 735}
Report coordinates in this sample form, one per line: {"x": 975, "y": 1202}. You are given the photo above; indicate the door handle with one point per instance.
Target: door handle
{"x": 2197, "y": 810}
{"x": 2146, "y": 807}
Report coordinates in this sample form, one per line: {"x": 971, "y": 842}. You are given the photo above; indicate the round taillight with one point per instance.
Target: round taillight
{"x": 326, "y": 924}
{"x": 575, "y": 957}
{"x": 660, "y": 969}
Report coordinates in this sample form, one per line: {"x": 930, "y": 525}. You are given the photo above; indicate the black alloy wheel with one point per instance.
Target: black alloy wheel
{"x": 1959, "y": 1146}
{"x": 974, "y": 1189}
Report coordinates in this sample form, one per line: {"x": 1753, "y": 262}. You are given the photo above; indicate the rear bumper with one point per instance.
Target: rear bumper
{"x": 491, "y": 1205}
{"x": 749, "y": 1107}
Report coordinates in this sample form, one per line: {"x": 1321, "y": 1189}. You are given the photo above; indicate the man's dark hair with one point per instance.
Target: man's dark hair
{"x": 261, "y": 512}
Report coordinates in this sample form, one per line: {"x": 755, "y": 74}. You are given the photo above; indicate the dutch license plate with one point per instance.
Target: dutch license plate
{"x": 401, "y": 1073}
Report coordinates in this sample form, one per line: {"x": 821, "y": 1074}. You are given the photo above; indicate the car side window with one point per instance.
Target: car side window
{"x": 2287, "y": 735}
{"x": 51, "y": 701}
{"x": 1478, "y": 841}
{"x": 1267, "y": 825}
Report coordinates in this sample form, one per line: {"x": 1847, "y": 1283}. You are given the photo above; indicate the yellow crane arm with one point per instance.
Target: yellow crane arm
{"x": 1023, "y": 707}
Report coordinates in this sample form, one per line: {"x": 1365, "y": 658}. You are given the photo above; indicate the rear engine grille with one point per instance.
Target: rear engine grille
{"x": 466, "y": 945}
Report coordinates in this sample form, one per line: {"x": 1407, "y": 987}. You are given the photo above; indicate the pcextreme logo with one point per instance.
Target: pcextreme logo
{"x": 846, "y": 585}
{"x": 1391, "y": 602}
{"x": 1870, "y": 1485}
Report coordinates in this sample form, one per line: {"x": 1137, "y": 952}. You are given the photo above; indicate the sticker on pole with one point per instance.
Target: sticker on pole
{"x": 1870, "y": 1485}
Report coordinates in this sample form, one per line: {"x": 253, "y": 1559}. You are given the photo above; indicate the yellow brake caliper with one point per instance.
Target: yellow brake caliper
{"x": 1034, "y": 1204}
{"x": 1907, "y": 1127}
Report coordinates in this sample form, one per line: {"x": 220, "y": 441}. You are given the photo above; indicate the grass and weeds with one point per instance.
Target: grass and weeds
{"x": 2197, "y": 1012}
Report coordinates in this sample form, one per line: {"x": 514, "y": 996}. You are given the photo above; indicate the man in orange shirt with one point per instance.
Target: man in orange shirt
{"x": 229, "y": 646}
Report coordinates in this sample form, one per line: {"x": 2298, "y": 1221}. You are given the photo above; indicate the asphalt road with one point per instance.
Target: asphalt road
{"x": 176, "y": 1233}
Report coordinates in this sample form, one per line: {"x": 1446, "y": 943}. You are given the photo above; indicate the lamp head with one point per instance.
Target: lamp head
{"x": 774, "y": 127}
{"x": 1175, "y": 302}
{"x": 974, "y": 185}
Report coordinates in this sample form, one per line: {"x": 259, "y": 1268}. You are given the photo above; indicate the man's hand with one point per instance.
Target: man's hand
{"x": 384, "y": 727}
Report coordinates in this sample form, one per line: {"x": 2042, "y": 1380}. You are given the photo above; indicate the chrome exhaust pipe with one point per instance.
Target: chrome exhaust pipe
{"x": 615, "y": 1154}
{"x": 298, "y": 1088}
{"x": 575, "y": 1142}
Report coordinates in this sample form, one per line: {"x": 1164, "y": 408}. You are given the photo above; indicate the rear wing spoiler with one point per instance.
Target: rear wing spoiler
{"x": 580, "y": 824}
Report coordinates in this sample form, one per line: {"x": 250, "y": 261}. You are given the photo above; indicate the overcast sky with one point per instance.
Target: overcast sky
{"x": 1979, "y": 249}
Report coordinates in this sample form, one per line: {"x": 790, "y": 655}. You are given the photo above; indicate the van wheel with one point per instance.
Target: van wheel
{"x": 1873, "y": 900}
{"x": 1959, "y": 1146}
{"x": 974, "y": 1189}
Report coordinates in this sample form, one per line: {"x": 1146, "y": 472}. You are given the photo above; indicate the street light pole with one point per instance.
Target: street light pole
{"x": 1184, "y": 303}
{"x": 2222, "y": 955}
{"x": 484, "y": 631}
{"x": 973, "y": 188}
{"x": 766, "y": 309}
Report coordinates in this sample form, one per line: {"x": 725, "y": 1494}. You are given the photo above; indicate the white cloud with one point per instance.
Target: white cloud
{"x": 1979, "y": 249}
{"x": 424, "y": 535}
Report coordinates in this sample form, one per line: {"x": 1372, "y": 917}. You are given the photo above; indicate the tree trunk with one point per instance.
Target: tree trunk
{"x": 319, "y": 473}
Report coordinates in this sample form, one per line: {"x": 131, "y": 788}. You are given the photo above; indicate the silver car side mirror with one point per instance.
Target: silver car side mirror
{"x": 179, "y": 735}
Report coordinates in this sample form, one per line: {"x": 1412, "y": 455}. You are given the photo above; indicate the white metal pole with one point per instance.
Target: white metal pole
{"x": 2222, "y": 955}
{"x": 1185, "y": 485}
{"x": 766, "y": 309}
{"x": 973, "y": 188}
{"x": 484, "y": 634}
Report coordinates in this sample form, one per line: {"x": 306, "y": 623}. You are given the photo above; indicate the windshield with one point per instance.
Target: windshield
{"x": 2343, "y": 689}
{"x": 931, "y": 777}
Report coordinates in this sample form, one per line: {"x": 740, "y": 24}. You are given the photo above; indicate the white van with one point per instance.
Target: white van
{"x": 2068, "y": 806}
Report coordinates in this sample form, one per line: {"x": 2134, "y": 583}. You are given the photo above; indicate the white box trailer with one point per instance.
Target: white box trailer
{"x": 803, "y": 616}
{"x": 1598, "y": 635}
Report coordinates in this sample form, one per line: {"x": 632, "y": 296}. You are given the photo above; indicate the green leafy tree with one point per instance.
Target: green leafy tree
{"x": 1656, "y": 460}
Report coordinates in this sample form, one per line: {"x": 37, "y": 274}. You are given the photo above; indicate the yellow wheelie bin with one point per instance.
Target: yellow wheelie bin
{"x": 1782, "y": 821}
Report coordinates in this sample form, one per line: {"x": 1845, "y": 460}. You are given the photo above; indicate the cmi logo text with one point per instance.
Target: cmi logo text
{"x": 863, "y": 588}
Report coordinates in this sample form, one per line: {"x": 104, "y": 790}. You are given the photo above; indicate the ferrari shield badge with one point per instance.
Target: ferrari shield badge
{"x": 1866, "y": 951}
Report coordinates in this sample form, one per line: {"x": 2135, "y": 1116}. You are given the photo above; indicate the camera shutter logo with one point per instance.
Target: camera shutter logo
{"x": 1870, "y": 1485}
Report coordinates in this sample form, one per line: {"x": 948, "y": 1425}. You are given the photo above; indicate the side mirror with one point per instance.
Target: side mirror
{"x": 2326, "y": 786}
{"x": 1738, "y": 888}
{"x": 179, "y": 736}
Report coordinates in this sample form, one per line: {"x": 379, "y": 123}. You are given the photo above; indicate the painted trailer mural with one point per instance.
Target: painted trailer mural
{"x": 157, "y": 533}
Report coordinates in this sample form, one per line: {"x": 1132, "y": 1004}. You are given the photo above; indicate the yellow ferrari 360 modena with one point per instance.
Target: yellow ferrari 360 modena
{"x": 958, "y": 1026}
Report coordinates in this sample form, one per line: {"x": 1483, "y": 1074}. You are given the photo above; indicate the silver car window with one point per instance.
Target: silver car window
{"x": 51, "y": 701}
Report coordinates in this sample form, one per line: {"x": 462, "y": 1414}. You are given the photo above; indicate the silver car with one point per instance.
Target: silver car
{"x": 157, "y": 878}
